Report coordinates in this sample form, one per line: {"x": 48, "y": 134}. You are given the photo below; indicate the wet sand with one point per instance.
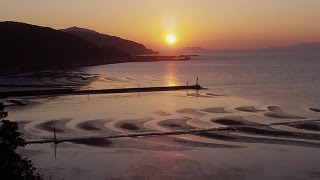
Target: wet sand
{"x": 248, "y": 127}
{"x": 311, "y": 126}
{"x": 59, "y": 124}
{"x": 206, "y": 95}
{"x": 190, "y": 111}
{"x": 249, "y": 109}
{"x": 162, "y": 113}
{"x": 265, "y": 140}
{"x": 47, "y": 79}
{"x": 26, "y": 134}
{"x": 233, "y": 121}
{"x": 94, "y": 142}
{"x": 176, "y": 124}
{"x": 236, "y": 124}
{"x": 277, "y": 112}
{"x": 158, "y": 143}
{"x": 216, "y": 110}
{"x": 94, "y": 125}
{"x": 240, "y": 132}
{"x": 314, "y": 109}
{"x": 134, "y": 125}
{"x": 162, "y": 129}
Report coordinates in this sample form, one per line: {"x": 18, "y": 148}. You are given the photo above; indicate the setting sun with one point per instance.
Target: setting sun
{"x": 171, "y": 39}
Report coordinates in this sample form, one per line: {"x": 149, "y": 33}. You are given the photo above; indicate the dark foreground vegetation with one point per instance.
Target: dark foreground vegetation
{"x": 12, "y": 165}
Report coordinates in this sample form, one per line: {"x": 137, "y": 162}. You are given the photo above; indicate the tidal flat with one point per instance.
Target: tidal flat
{"x": 225, "y": 131}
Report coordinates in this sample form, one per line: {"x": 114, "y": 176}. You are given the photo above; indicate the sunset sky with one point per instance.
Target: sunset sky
{"x": 212, "y": 24}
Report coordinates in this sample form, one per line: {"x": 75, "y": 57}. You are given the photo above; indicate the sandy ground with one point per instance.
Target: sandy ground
{"x": 249, "y": 146}
{"x": 212, "y": 136}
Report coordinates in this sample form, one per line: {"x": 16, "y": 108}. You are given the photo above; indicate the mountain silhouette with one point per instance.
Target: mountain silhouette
{"x": 30, "y": 47}
{"x": 103, "y": 40}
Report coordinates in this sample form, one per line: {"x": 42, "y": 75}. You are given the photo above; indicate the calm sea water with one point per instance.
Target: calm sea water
{"x": 272, "y": 78}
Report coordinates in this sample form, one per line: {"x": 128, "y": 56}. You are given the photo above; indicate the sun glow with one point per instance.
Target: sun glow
{"x": 171, "y": 39}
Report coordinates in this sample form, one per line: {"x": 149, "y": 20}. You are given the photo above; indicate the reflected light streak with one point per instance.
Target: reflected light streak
{"x": 170, "y": 77}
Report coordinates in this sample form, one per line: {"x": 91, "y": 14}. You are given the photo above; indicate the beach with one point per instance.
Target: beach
{"x": 257, "y": 119}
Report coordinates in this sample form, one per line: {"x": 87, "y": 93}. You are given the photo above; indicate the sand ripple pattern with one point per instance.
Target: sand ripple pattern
{"x": 48, "y": 79}
{"x": 277, "y": 112}
{"x": 262, "y": 133}
{"x": 216, "y": 110}
{"x": 227, "y": 129}
{"x": 134, "y": 125}
{"x": 94, "y": 126}
{"x": 176, "y": 124}
{"x": 251, "y": 109}
{"x": 59, "y": 125}
{"x": 190, "y": 111}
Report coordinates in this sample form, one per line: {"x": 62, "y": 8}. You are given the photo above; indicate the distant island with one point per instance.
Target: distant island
{"x": 313, "y": 48}
{"x": 297, "y": 48}
{"x": 193, "y": 50}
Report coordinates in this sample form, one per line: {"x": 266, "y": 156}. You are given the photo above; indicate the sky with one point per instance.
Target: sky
{"x": 212, "y": 24}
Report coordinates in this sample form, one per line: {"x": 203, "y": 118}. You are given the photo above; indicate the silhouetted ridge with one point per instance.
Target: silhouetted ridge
{"x": 300, "y": 48}
{"x": 102, "y": 40}
{"x": 24, "y": 46}
{"x": 78, "y": 29}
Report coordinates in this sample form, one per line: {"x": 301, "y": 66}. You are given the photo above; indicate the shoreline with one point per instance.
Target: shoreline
{"x": 5, "y": 71}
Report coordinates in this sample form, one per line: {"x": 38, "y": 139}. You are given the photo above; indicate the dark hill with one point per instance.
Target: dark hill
{"x": 29, "y": 47}
{"x": 102, "y": 40}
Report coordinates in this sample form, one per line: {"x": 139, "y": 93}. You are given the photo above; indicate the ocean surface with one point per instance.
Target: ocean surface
{"x": 270, "y": 95}
{"x": 265, "y": 77}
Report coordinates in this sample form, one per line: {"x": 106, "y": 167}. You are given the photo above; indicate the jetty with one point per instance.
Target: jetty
{"x": 156, "y": 57}
{"x": 71, "y": 91}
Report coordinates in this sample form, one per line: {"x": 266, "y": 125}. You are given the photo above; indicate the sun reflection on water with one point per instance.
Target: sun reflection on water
{"x": 170, "y": 77}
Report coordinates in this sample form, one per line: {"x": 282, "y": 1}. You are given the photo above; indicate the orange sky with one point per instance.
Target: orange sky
{"x": 213, "y": 24}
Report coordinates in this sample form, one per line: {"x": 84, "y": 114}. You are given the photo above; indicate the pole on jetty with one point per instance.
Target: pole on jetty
{"x": 88, "y": 94}
{"x": 139, "y": 89}
{"x": 54, "y": 134}
{"x": 197, "y": 84}
{"x": 55, "y": 142}
{"x": 187, "y": 92}
{"x": 55, "y": 150}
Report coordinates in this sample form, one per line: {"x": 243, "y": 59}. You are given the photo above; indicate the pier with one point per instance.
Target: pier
{"x": 71, "y": 91}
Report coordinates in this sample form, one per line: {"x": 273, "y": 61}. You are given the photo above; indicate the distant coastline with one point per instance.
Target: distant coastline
{"x": 306, "y": 48}
{"x": 16, "y": 70}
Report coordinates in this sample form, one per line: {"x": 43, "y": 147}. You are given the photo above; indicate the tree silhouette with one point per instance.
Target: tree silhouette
{"x": 13, "y": 165}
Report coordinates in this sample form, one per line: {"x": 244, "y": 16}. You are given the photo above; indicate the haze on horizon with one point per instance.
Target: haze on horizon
{"x": 213, "y": 24}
